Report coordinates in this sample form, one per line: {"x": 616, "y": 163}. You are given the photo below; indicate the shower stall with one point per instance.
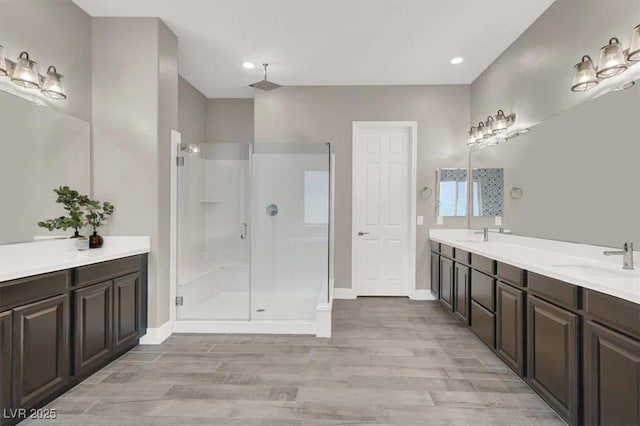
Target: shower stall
{"x": 254, "y": 251}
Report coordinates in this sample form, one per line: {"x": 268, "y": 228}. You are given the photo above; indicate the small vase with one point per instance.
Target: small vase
{"x": 95, "y": 240}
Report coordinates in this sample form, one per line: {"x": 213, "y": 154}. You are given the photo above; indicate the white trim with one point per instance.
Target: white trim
{"x": 155, "y": 336}
{"x": 323, "y": 319}
{"x": 257, "y": 327}
{"x": 422, "y": 294}
{"x": 413, "y": 126}
{"x": 344, "y": 293}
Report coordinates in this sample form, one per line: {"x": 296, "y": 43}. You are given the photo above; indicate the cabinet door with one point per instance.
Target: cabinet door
{"x": 611, "y": 377}
{"x": 40, "y": 350}
{"x": 552, "y": 363}
{"x": 461, "y": 292}
{"x": 5, "y": 362}
{"x": 93, "y": 326}
{"x": 435, "y": 274}
{"x": 446, "y": 282}
{"x": 126, "y": 309}
{"x": 509, "y": 327}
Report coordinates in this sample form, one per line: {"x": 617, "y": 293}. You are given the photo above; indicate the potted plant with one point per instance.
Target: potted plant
{"x": 74, "y": 203}
{"x": 96, "y": 216}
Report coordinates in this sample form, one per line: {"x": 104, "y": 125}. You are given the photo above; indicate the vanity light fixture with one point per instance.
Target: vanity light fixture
{"x": 488, "y": 127}
{"x": 614, "y": 60}
{"x": 25, "y": 73}
{"x": 481, "y": 135}
{"x": 634, "y": 48}
{"x": 492, "y": 131}
{"x": 52, "y": 86}
{"x": 472, "y": 136}
{"x": 3, "y": 63}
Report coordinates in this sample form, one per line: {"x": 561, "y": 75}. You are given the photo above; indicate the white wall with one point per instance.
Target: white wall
{"x": 53, "y": 33}
{"x": 325, "y": 114}
{"x": 192, "y": 113}
{"x": 132, "y": 114}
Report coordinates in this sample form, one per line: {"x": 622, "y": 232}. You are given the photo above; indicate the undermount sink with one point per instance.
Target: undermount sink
{"x": 597, "y": 271}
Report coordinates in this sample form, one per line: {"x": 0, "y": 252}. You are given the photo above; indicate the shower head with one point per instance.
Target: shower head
{"x": 265, "y": 84}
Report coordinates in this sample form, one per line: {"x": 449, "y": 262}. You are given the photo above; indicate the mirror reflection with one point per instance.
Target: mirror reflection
{"x": 452, "y": 192}
{"x": 487, "y": 192}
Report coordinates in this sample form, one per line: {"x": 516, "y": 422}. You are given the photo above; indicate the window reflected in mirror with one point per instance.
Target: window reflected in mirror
{"x": 452, "y": 192}
{"x": 487, "y": 192}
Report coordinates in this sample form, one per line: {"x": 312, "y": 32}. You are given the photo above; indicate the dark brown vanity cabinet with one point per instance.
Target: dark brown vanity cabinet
{"x": 94, "y": 325}
{"x": 462, "y": 292}
{"x": 446, "y": 282}
{"x": 435, "y": 274}
{"x": 126, "y": 311}
{"x": 510, "y": 326}
{"x": 552, "y": 361}
{"x": 5, "y": 362}
{"x": 41, "y": 350}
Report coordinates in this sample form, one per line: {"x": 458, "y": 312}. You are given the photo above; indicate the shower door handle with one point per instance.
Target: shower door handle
{"x": 362, "y": 233}
{"x": 243, "y": 231}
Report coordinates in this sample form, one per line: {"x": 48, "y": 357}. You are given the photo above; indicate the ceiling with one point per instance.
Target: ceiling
{"x": 330, "y": 42}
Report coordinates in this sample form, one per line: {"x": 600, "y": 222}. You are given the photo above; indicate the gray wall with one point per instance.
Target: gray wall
{"x": 315, "y": 114}
{"x": 579, "y": 172}
{"x": 54, "y": 32}
{"x": 132, "y": 114}
{"x": 229, "y": 120}
{"x": 192, "y": 113}
{"x": 533, "y": 76}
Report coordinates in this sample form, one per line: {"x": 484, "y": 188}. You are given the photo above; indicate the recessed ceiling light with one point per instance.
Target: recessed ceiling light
{"x": 248, "y": 65}
{"x": 457, "y": 60}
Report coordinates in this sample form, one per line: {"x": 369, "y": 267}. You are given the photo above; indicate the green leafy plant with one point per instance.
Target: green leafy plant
{"x": 97, "y": 213}
{"x": 74, "y": 203}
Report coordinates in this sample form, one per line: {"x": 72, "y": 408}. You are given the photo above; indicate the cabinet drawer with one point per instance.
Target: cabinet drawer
{"x": 616, "y": 313}
{"x": 462, "y": 256}
{"x": 483, "y": 290}
{"x": 484, "y": 264}
{"x": 483, "y": 323}
{"x": 564, "y": 294}
{"x": 510, "y": 274}
{"x": 446, "y": 250}
{"x": 435, "y": 246}
{"x": 27, "y": 290}
{"x": 99, "y": 272}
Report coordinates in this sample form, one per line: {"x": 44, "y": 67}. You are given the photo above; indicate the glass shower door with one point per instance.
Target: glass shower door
{"x": 290, "y": 230}
{"x": 213, "y": 233}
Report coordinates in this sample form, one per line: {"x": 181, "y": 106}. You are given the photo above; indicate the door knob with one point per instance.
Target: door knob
{"x": 362, "y": 233}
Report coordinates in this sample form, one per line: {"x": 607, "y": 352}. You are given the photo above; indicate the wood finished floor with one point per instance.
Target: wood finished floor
{"x": 390, "y": 361}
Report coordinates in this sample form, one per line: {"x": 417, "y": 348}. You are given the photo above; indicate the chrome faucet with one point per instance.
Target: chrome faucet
{"x": 627, "y": 255}
{"x": 485, "y": 234}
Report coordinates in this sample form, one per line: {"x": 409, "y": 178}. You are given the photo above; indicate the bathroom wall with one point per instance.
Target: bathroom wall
{"x": 533, "y": 76}
{"x": 325, "y": 114}
{"x": 53, "y": 33}
{"x": 192, "y": 113}
{"x": 133, "y": 113}
{"x": 229, "y": 120}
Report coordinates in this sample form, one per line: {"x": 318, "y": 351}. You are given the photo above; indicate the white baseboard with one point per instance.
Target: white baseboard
{"x": 422, "y": 294}
{"x": 323, "y": 320}
{"x": 257, "y": 327}
{"x": 344, "y": 293}
{"x": 155, "y": 336}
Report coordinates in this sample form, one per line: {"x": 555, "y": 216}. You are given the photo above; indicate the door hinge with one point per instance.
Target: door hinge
{"x": 180, "y": 161}
{"x": 179, "y": 300}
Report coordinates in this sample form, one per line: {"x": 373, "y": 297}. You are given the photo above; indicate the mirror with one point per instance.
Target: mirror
{"x": 40, "y": 149}
{"x": 451, "y": 192}
{"x": 574, "y": 177}
{"x": 487, "y": 192}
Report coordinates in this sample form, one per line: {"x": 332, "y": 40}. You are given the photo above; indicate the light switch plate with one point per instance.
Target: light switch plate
{"x": 498, "y": 221}
{"x": 420, "y": 220}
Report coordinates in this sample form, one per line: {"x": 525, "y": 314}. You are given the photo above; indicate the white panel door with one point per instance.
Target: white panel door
{"x": 382, "y": 210}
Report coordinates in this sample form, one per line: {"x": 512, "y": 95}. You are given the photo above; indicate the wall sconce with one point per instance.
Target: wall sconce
{"x": 613, "y": 61}
{"x": 494, "y": 130}
{"x": 24, "y": 73}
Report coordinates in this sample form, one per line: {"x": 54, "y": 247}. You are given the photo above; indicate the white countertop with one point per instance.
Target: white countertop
{"x": 580, "y": 264}
{"x": 38, "y": 257}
